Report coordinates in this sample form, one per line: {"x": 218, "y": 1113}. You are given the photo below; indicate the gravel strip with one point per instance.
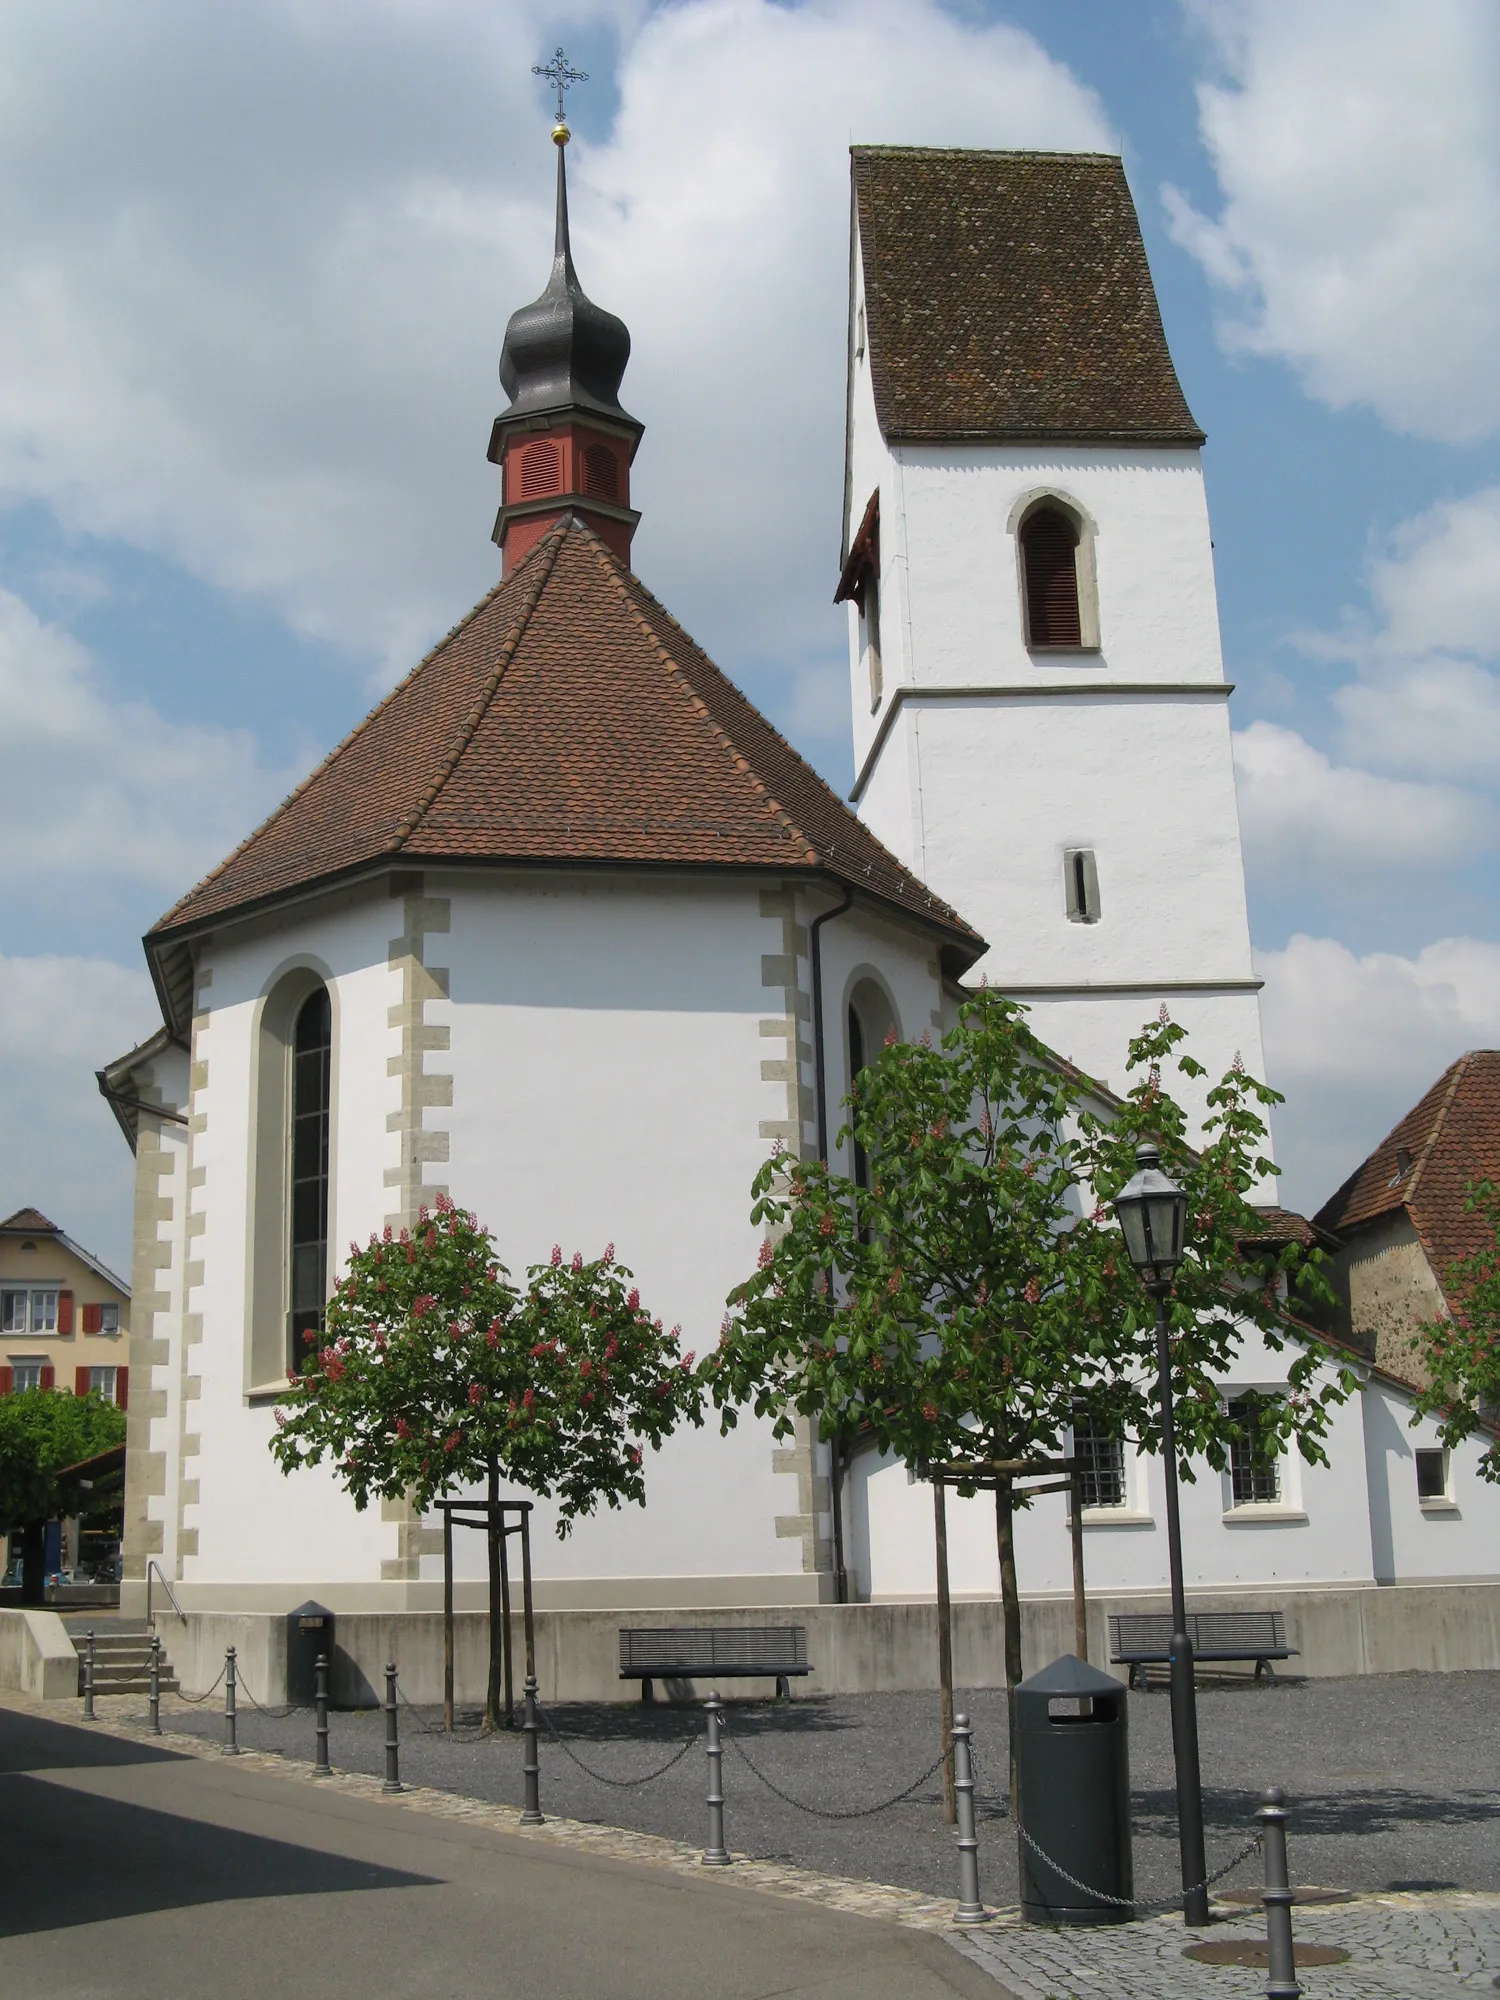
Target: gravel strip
{"x": 1394, "y": 1779}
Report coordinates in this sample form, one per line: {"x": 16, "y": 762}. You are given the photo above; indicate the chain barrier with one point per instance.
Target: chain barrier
{"x": 426, "y": 1728}
{"x": 271, "y": 1714}
{"x": 831, "y": 1812}
{"x": 1141, "y": 1906}
{"x": 193, "y": 1699}
{"x": 600, "y": 1777}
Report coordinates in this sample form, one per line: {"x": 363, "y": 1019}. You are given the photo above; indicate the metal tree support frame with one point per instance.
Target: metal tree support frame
{"x": 1277, "y": 1898}
{"x": 477, "y": 1514}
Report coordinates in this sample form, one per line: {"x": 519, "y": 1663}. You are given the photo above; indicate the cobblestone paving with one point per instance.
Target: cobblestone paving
{"x": 1432, "y": 1946}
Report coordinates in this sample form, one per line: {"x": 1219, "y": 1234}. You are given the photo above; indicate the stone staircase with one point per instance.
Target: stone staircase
{"x": 122, "y": 1658}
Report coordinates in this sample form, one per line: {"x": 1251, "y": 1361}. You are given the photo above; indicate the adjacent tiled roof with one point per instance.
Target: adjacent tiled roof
{"x": 29, "y": 1222}
{"x": 568, "y": 719}
{"x": 1448, "y": 1140}
{"x": 1285, "y": 1225}
{"x": 1007, "y": 295}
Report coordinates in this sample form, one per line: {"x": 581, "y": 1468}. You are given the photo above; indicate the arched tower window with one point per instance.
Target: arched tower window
{"x": 312, "y": 1068}
{"x": 1049, "y": 550}
{"x": 857, "y": 1060}
{"x": 871, "y": 1021}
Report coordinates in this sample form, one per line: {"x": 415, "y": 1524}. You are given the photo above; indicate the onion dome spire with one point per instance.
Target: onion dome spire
{"x": 561, "y": 366}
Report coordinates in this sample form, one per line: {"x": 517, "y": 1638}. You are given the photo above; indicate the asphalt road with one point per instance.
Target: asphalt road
{"x": 1394, "y": 1780}
{"x": 125, "y": 1871}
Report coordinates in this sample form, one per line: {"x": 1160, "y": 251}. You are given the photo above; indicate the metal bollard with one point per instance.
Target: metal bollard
{"x": 716, "y": 1854}
{"x": 231, "y": 1745}
{"x": 154, "y": 1727}
{"x": 970, "y": 1910}
{"x": 1277, "y": 1898}
{"x": 88, "y": 1679}
{"x": 392, "y": 1740}
{"x": 530, "y": 1765}
{"x": 321, "y": 1766}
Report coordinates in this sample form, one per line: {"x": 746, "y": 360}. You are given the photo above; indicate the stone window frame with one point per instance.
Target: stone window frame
{"x": 268, "y": 1176}
{"x": 1085, "y": 561}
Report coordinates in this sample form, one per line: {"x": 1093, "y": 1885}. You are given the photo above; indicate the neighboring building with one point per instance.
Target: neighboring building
{"x": 64, "y": 1316}
{"x": 64, "y": 1324}
{"x": 1401, "y": 1219}
{"x": 566, "y": 928}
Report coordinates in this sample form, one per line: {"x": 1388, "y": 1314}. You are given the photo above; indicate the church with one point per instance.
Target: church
{"x": 566, "y": 929}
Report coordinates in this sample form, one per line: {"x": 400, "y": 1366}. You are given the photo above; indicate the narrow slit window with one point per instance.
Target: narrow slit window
{"x": 857, "y": 1061}
{"x": 312, "y": 1070}
{"x": 1049, "y": 550}
{"x": 1081, "y": 885}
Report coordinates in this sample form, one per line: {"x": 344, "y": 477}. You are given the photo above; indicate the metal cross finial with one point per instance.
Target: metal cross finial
{"x": 560, "y": 73}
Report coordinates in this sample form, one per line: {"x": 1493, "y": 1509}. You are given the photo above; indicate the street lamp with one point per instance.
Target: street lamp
{"x": 1152, "y": 1212}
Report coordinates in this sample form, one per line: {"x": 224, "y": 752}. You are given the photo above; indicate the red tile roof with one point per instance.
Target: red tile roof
{"x": 1445, "y": 1142}
{"x": 568, "y": 719}
{"x": 29, "y": 1222}
{"x": 1007, "y": 295}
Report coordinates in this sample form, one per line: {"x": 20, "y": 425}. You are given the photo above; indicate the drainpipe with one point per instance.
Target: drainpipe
{"x": 820, "y": 1089}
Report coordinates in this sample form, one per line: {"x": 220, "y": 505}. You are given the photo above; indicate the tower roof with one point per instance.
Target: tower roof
{"x": 1007, "y": 295}
{"x": 569, "y": 720}
{"x": 562, "y": 352}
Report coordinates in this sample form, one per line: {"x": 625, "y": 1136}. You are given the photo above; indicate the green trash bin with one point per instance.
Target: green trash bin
{"x": 1073, "y": 1778}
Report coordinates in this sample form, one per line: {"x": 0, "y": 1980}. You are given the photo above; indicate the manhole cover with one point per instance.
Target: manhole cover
{"x": 1250, "y": 1899}
{"x": 1252, "y": 1951}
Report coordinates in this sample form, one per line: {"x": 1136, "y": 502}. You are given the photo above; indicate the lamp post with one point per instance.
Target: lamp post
{"x": 1152, "y": 1211}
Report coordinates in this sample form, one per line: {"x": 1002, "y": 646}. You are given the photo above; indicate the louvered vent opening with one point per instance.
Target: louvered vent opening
{"x": 1049, "y": 541}
{"x": 541, "y": 470}
{"x": 601, "y": 473}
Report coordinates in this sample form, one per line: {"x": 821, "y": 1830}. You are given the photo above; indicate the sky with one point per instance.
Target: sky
{"x": 255, "y": 268}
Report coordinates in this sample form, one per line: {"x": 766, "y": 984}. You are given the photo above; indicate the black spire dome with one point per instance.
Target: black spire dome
{"x": 564, "y": 352}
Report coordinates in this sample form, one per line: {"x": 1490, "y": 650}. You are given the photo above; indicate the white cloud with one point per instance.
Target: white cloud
{"x": 1354, "y": 1042}
{"x": 100, "y": 789}
{"x": 259, "y": 261}
{"x": 60, "y": 1020}
{"x": 1358, "y": 152}
{"x": 1299, "y": 810}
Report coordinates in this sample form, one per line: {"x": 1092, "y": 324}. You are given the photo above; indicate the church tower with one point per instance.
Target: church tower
{"x": 1041, "y": 726}
{"x": 565, "y": 445}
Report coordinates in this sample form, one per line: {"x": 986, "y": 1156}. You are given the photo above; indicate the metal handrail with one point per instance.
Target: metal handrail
{"x": 153, "y": 1564}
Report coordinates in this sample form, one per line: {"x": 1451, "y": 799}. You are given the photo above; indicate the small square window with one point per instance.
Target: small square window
{"x": 109, "y": 1319}
{"x": 1101, "y": 1463}
{"x": 1254, "y": 1475}
{"x": 102, "y": 1383}
{"x": 44, "y": 1312}
{"x": 1432, "y": 1474}
{"x": 26, "y": 1374}
{"x": 14, "y": 1311}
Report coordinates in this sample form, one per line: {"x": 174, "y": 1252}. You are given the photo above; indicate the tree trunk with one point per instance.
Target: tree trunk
{"x": 33, "y": 1562}
{"x": 1010, "y": 1598}
{"x": 498, "y": 1634}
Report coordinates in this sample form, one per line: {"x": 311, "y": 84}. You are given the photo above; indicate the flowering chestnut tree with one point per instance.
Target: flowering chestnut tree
{"x": 969, "y": 1293}
{"x": 435, "y": 1373}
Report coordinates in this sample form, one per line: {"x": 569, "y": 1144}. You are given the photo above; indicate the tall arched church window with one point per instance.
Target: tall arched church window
{"x": 307, "y": 1267}
{"x": 857, "y": 1061}
{"x": 1049, "y": 549}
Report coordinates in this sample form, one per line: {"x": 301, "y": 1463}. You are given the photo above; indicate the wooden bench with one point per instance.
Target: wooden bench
{"x": 1139, "y": 1639}
{"x": 714, "y": 1653}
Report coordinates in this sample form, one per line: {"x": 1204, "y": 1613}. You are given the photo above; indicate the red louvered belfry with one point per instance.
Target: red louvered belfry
{"x": 1049, "y": 544}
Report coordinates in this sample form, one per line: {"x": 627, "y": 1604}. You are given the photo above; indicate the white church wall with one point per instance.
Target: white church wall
{"x": 1415, "y": 1539}
{"x": 606, "y": 1054}
{"x": 159, "y": 1257}
{"x": 252, "y": 1525}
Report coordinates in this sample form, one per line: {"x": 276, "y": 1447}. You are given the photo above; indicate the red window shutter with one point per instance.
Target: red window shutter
{"x": 65, "y": 1312}
{"x": 81, "y": 1377}
{"x": 122, "y": 1388}
{"x": 7, "y": 1381}
{"x": 91, "y": 1318}
{"x": 49, "y": 1375}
